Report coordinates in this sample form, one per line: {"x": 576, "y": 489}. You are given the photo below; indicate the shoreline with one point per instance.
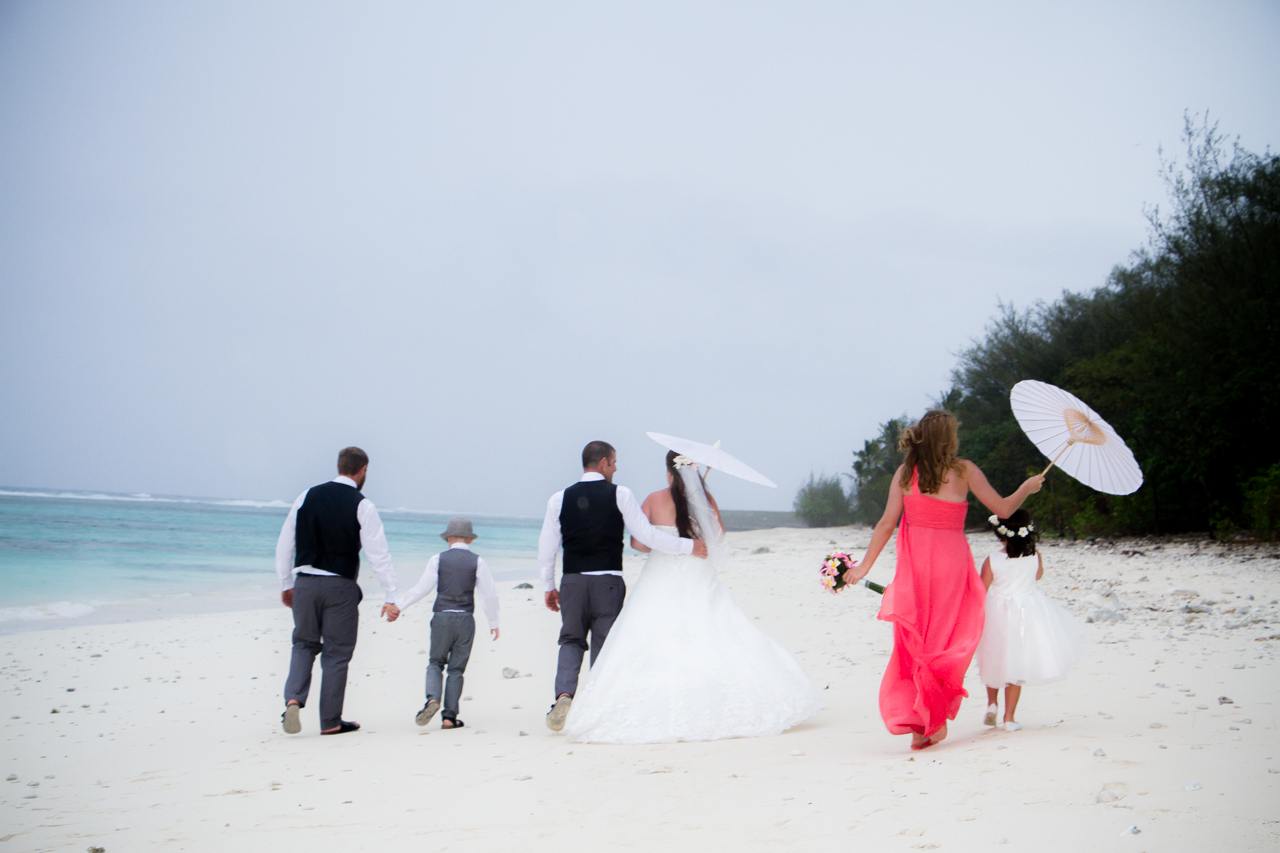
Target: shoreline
{"x": 261, "y": 594}
{"x": 254, "y": 591}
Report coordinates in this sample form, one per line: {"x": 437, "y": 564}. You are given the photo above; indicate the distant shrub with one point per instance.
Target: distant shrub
{"x": 822, "y": 502}
{"x": 1262, "y": 503}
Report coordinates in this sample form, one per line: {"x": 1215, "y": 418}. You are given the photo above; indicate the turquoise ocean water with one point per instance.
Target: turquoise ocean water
{"x": 75, "y": 557}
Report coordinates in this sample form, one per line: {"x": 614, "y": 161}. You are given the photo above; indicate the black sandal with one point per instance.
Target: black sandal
{"x": 457, "y": 724}
{"x": 343, "y": 728}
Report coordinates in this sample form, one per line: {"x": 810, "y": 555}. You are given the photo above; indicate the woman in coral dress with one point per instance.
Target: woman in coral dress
{"x": 936, "y": 599}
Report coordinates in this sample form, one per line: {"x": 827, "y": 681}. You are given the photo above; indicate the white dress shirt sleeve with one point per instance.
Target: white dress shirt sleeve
{"x": 425, "y": 585}
{"x": 373, "y": 540}
{"x": 287, "y": 545}
{"x": 638, "y": 524}
{"x": 488, "y": 592}
{"x": 549, "y": 542}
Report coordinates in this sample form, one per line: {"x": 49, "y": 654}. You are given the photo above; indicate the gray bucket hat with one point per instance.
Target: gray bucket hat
{"x": 459, "y": 527}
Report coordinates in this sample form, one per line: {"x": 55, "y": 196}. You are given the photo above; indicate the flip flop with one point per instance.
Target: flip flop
{"x": 289, "y": 719}
{"x": 457, "y": 724}
{"x": 343, "y": 728}
{"x": 990, "y": 718}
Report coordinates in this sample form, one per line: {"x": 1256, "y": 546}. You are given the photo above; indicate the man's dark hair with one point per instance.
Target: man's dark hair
{"x": 595, "y": 451}
{"x": 351, "y": 460}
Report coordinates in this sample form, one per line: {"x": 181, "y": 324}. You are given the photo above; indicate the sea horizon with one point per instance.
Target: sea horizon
{"x": 70, "y": 556}
{"x": 146, "y": 497}
{"x": 84, "y": 556}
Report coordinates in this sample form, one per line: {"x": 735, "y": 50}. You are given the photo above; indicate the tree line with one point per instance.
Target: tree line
{"x": 1179, "y": 351}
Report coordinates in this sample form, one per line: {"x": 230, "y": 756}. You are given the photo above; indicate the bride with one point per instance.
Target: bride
{"x": 682, "y": 661}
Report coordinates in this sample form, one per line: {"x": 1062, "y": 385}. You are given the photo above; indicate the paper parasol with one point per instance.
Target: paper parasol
{"x": 712, "y": 457}
{"x": 1075, "y": 438}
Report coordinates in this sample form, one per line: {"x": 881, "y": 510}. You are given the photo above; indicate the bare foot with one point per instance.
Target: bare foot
{"x": 919, "y": 741}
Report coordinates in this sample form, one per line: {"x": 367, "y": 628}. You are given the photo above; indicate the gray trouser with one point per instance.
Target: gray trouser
{"x": 326, "y": 615}
{"x": 451, "y": 637}
{"x": 588, "y": 605}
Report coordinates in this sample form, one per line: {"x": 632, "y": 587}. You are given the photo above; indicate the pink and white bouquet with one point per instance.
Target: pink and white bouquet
{"x": 833, "y": 568}
{"x": 832, "y": 573}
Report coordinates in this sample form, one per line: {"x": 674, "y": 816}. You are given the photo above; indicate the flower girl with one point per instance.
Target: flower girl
{"x": 1028, "y": 638}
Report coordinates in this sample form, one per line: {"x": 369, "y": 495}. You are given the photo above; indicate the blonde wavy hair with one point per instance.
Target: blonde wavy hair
{"x": 931, "y": 445}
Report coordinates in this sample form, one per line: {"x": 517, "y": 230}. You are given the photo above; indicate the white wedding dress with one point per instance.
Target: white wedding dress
{"x": 684, "y": 663}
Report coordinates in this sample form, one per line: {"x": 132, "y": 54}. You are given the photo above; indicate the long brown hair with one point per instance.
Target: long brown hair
{"x": 931, "y": 445}
{"x": 684, "y": 524}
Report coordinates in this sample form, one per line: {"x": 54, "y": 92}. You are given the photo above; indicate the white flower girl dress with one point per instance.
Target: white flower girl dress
{"x": 1028, "y": 637}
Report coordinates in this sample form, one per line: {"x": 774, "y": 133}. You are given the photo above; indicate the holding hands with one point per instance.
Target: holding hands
{"x": 390, "y": 611}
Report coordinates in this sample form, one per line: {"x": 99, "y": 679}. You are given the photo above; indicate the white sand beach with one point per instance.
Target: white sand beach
{"x": 165, "y": 733}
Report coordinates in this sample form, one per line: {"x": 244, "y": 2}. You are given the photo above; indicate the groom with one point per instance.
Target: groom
{"x": 588, "y": 518}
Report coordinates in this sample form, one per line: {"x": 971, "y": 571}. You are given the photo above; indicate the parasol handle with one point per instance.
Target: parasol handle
{"x": 708, "y": 474}
{"x": 1070, "y": 441}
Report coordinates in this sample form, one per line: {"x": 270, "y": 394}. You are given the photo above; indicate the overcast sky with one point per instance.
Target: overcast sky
{"x": 470, "y": 237}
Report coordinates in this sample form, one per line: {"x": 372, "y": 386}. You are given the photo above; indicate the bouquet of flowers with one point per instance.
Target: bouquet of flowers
{"x": 832, "y": 573}
{"x": 833, "y": 568}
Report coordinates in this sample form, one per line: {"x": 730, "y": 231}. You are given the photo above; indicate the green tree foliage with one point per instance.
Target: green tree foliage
{"x": 873, "y": 469}
{"x": 1262, "y": 502}
{"x": 1179, "y": 351}
{"x": 821, "y": 502}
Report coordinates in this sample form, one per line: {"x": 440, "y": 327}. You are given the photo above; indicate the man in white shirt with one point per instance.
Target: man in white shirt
{"x": 318, "y": 561}
{"x": 589, "y": 519}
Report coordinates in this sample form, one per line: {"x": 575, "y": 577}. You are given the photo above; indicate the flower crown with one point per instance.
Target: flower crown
{"x": 683, "y": 462}
{"x": 1021, "y": 533}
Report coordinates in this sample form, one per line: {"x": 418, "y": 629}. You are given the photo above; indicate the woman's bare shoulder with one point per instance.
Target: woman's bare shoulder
{"x": 659, "y": 497}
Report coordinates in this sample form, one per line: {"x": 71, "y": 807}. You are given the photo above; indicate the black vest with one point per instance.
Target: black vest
{"x": 456, "y": 588}
{"x": 327, "y": 535}
{"x": 591, "y": 528}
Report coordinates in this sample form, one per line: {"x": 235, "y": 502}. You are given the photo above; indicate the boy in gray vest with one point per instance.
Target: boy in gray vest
{"x": 458, "y": 574}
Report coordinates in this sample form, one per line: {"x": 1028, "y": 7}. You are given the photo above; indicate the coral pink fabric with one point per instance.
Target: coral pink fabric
{"x": 936, "y": 604}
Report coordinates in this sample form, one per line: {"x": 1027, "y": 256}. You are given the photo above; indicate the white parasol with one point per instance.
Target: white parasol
{"x": 1075, "y": 438}
{"x": 713, "y": 457}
